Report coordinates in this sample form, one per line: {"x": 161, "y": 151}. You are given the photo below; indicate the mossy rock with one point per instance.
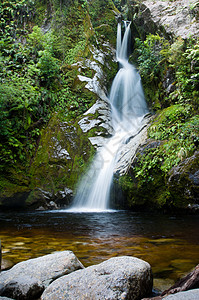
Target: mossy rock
{"x": 61, "y": 156}
{"x": 183, "y": 182}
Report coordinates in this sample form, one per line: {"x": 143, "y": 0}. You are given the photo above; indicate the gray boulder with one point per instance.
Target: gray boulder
{"x": 117, "y": 278}
{"x": 172, "y": 18}
{"x": 38, "y": 273}
{"x": 187, "y": 295}
{"x": 23, "y": 288}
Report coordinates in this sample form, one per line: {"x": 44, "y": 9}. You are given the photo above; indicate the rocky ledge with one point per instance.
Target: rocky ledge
{"x": 172, "y": 18}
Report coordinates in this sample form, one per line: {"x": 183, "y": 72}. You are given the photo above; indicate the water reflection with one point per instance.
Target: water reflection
{"x": 169, "y": 243}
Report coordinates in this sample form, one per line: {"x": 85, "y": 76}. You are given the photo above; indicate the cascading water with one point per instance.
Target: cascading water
{"x": 128, "y": 110}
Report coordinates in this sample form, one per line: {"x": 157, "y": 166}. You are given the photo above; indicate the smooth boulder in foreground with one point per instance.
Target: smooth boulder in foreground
{"x": 117, "y": 278}
{"x": 29, "y": 278}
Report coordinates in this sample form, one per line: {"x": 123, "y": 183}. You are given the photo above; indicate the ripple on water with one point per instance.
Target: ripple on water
{"x": 160, "y": 240}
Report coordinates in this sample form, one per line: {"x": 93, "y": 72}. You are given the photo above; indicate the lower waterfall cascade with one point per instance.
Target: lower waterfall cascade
{"x": 128, "y": 109}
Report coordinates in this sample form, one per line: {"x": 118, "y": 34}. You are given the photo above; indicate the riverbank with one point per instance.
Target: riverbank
{"x": 155, "y": 238}
{"x": 62, "y": 275}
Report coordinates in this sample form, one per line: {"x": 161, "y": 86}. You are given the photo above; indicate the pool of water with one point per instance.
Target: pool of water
{"x": 169, "y": 243}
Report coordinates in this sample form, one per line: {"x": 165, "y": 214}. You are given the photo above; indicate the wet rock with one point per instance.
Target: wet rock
{"x": 38, "y": 272}
{"x": 40, "y": 199}
{"x": 127, "y": 151}
{"x": 86, "y": 124}
{"x": 22, "y": 288}
{"x": 52, "y": 205}
{"x": 63, "y": 197}
{"x": 59, "y": 153}
{"x": 98, "y": 117}
{"x": 97, "y": 141}
{"x": 44, "y": 194}
{"x": 193, "y": 208}
{"x": 40, "y": 208}
{"x": 61, "y": 156}
{"x": 117, "y": 278}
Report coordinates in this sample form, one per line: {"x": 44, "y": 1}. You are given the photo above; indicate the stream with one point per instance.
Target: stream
{"x": 169, "y": 243}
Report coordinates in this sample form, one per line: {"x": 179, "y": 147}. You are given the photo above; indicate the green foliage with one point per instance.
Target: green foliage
{"x": 36, "y": 77}
{"x": 179, "y": 140}
{"x": 150, "y": 55}
{"x": 155, "y": 56}
{"x": 187, "y": 76}
{"x": 18, "y": 103}
{"x": 176, "y": 128}
{"x": 150, "y": 58}
{"x": 73, "y": 54}
{"x": 48, "y": 68}
{"x": 103, "y": 19}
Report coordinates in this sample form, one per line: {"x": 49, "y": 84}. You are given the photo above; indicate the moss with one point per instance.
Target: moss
{"x": 153, "y": 96}
{"x": 10, "y": 186}
{"x": 181, "y": 182}
{"x": 148, "y": 195}
{"x": 42, "y": 9}
{"x": 103, "y": 14}
{"x": 62, "y": 156}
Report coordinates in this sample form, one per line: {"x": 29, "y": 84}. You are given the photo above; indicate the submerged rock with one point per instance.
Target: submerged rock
{"x": 33, "y": 275}
{"x": 117, "y": 278}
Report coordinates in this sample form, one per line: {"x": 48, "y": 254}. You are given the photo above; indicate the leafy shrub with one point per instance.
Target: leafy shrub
{"x": 150, "y": 54}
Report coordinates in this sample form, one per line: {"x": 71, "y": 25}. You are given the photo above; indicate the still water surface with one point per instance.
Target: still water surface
{"x": 169, "y": 243}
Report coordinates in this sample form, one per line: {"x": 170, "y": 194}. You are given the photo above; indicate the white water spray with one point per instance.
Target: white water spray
{"x": 128, "y": 110}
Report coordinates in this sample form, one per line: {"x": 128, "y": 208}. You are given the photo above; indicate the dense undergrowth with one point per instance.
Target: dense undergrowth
{"x": 40, "y": 45}
{"x": 170, "y": 78}
{"x": 40, "y": 42}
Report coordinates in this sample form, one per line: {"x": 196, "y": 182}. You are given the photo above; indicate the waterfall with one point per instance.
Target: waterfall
{"x": 128, "y": 108}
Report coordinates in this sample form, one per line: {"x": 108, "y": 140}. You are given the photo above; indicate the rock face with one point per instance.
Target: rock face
{"x": 173, "y": 18}
{"x": 28, "y": 279}
{"x": 116, "y": 278}
{"x": 98, "y": 117}
{"x": 184, "y": 180}
{"x": 127, "y": 151}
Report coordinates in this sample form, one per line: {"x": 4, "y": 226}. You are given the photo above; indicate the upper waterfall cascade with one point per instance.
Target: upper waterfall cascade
{"x": 128, "y": 108}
